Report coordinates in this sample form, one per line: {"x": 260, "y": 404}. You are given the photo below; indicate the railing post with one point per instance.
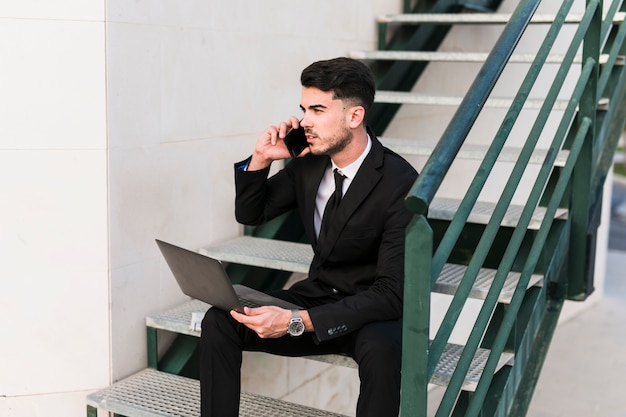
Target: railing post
{"x": 582, "y": 247}
{"x": 407, "y": 6}
{"x": 153, "y": 359}
{"x": 416, "y": 318}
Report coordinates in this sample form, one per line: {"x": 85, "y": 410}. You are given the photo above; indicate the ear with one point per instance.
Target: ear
{"x": 355, "y": 116}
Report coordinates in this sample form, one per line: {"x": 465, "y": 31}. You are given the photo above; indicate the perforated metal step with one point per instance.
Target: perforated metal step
{"x": 265, "y": 253}
{"x": 296, "y": 257}
{"x": 477, "y": 18}
{"x": 468, "y": 151}
{"x": 445, "y": 209}
{"x": 451, "y": 276}
{"x": 178, "y": 319}
{"x": 401, "y": 97}
{"x": 464, "y": 57}
{"x": 151, "y": 393}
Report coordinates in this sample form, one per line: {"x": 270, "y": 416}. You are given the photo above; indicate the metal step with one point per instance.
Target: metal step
{"x": 478, "y": 18}
{"x": 451, "y": 275}
{"x": 296, "y": 257}
{"x": 151, "y": 393}
{"x": 402, "y": 97}
{"x": 445, "y": 209}
{"x": 475, "y": 57}
{"x": 178, "y": 320}
{"x": 468, "y": 151}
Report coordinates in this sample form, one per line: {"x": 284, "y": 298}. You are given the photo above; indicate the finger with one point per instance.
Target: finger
{"x": 282, "y": 130}
{"x": 264, "y": 138}
{"x": 257, "y": 311}
{"x": 294, "y": 122}
{"x": 236, "y": 315}
{"x": 273, "y": 134}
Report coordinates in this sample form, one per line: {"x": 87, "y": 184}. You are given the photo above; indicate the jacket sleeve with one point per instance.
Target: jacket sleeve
{"x": 259, "y": 198}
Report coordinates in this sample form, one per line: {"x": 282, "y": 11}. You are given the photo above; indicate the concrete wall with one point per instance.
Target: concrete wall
{"x": 119, "y": 123}
{"x": 54, "y": 273}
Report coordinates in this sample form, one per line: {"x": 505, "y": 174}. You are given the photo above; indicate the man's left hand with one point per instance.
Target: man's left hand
{"x": 268, "y": 321}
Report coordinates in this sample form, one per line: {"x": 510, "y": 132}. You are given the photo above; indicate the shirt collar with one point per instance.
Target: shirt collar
{"x": 350, "y": 170}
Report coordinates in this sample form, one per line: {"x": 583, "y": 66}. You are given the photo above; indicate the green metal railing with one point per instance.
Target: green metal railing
{"x": 590, "y": 139}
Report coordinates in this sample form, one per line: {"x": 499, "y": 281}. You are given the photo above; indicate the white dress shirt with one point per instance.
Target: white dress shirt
{"x": 327, "y": 185}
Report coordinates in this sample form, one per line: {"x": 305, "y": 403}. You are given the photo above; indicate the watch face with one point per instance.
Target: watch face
{"x": 296, "y": 328}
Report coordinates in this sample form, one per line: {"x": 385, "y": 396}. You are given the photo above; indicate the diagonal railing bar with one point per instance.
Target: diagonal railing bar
{"x": 614, "y": 52}
{"x": 536, "y": 192}
{"x": 423, "y": 191}
{"x": 493, "y": 225}
{"x": 613, "y": 127}
{"x": 512, "y": 249}
{"x": 455, "y": 228}
{"x": 607, "y": 70}
{"x": 510, "y": 316}
{"x": 609, "y": 19}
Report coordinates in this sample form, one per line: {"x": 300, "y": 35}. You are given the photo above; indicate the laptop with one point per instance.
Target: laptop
{"x": 205, "y": 279}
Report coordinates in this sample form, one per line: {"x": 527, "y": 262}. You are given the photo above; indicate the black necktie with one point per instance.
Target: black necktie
{"x": 333, "y": 201}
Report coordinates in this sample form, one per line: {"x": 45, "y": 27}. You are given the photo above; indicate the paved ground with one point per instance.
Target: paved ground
{"x": 585, "y": 371}
{"x": 617, "y": 234}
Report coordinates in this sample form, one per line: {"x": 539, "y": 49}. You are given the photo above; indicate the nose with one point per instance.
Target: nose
{"x": 304, "y": 122}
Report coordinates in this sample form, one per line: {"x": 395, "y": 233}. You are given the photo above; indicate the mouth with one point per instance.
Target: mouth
{"x": 310, "y": 136}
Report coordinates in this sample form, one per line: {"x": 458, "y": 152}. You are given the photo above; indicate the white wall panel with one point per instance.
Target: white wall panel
{"x": 54, "y": 295}
{"x": 52, "y": 84}
{"x": 54, "y": 9}
{"x": 67, "y": 404}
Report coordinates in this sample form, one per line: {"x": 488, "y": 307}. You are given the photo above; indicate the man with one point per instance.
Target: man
{"x": 352, "y": 298}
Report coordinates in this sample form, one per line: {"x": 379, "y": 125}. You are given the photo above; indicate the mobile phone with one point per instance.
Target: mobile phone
{"x": 295, "y": 140}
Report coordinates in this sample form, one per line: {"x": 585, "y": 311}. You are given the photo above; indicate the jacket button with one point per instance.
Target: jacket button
{"x": 335, "y": 291}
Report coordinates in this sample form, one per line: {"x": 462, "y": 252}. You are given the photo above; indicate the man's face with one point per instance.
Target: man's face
{"x": 325, "y": 122}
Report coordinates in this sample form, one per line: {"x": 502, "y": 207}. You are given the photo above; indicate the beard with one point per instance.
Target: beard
{"x": 333, "y": 144}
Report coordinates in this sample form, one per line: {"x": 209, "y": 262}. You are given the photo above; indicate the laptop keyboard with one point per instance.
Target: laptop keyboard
{"x": 248, "y": 303}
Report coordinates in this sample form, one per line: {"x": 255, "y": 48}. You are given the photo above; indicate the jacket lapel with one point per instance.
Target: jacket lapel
{"x": 313, "y": 177}
{"x": 365, "y": 180}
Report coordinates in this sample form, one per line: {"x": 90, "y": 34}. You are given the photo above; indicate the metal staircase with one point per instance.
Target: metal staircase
{"x": 563, "y": 247}
{"x": 522, "y": 261}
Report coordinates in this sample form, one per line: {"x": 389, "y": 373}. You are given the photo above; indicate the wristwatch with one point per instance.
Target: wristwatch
{"x": 296, "y": 326}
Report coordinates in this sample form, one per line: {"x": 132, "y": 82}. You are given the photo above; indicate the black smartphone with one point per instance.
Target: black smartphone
{"x": 295, "y": 140}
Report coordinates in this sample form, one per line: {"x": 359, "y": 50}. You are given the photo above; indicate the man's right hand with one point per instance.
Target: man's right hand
{"x": 270, "y": 145}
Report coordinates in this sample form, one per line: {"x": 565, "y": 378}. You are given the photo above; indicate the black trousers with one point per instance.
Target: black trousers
{"x": 376, "y": 348}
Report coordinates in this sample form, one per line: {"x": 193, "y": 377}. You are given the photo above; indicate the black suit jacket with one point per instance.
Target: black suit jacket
{"x": 362, "y": 255}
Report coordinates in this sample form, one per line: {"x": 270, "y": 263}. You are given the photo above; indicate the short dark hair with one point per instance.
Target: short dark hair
{"x": 347, "y": 78}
